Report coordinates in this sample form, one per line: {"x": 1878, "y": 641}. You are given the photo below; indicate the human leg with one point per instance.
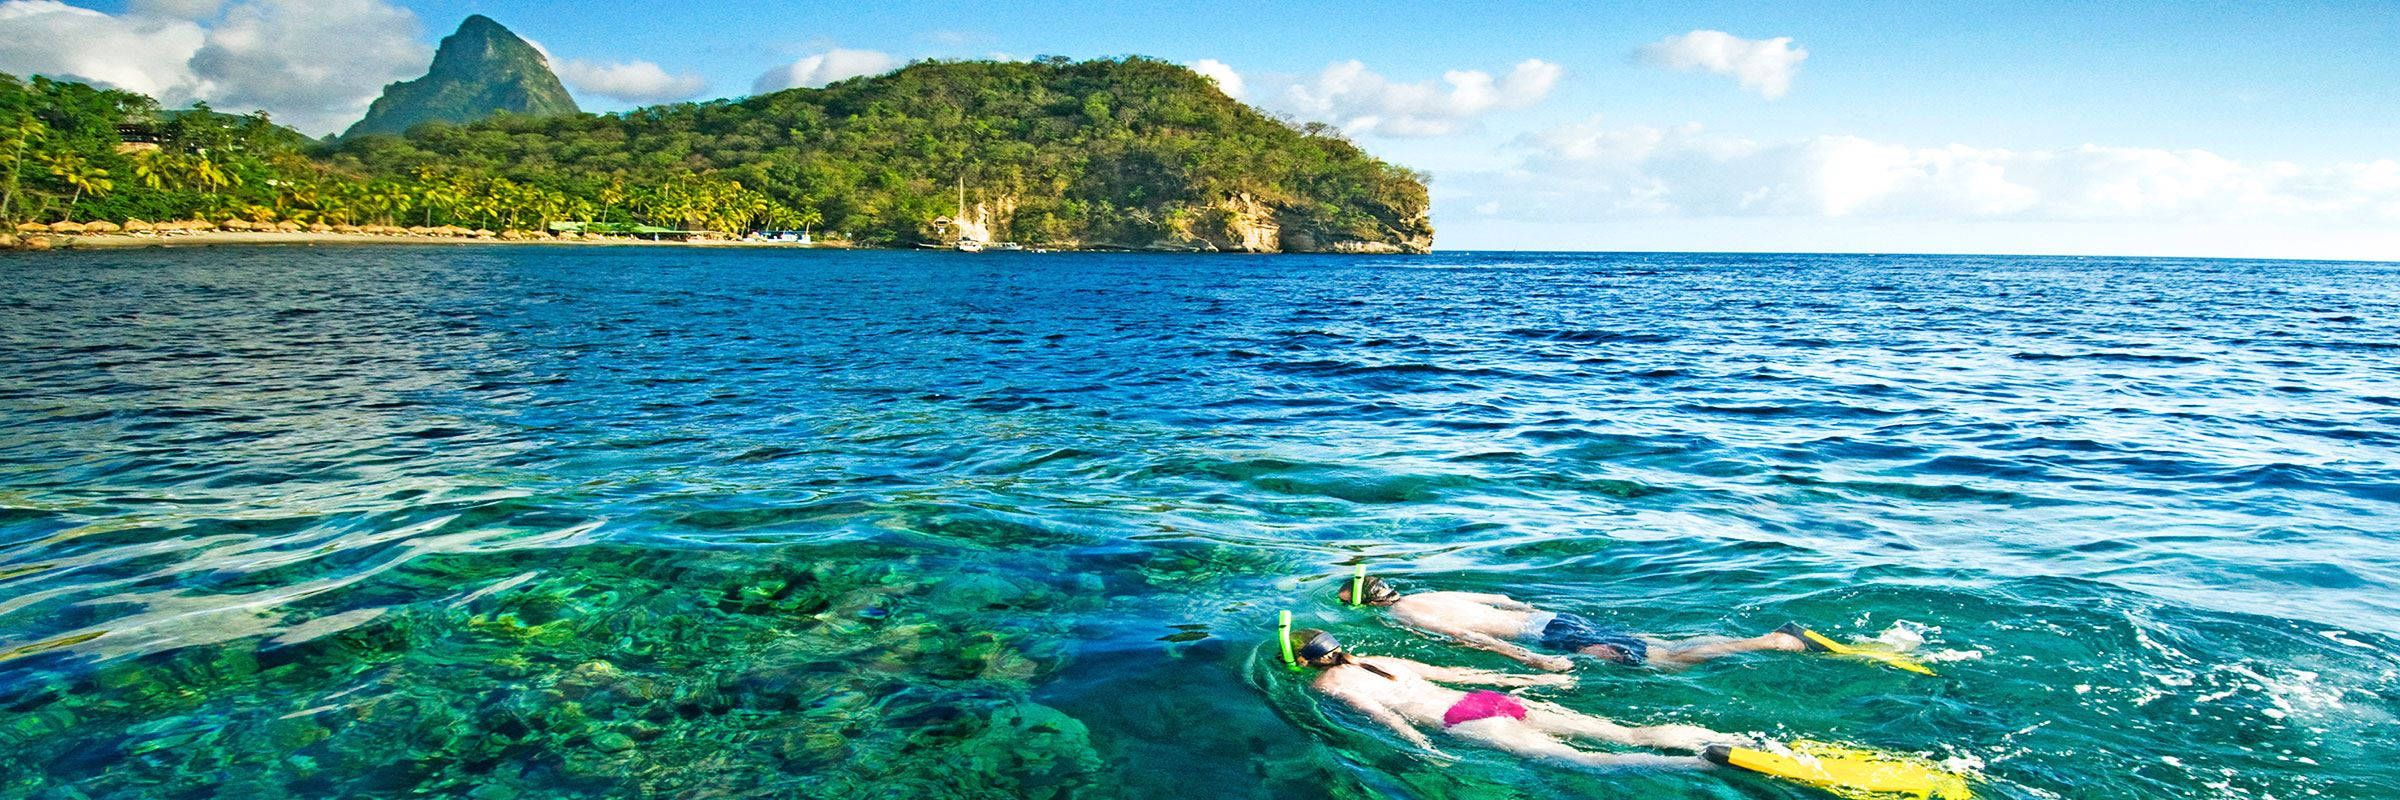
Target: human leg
{"x": 1522, "y": 739}
{"x": 1676, "y": 655}
{"x": 1557, "y": 720}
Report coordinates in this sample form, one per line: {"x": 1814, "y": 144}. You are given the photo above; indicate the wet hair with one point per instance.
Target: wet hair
{"x": 1378, "y": 592}
{"x": 1319, "y": 649}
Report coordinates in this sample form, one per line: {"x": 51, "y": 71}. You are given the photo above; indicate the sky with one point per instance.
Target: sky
{"x": 2126, "y": 128}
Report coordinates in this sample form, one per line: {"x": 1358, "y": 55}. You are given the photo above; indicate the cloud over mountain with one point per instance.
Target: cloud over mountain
{"x": 637, "y": 82}
{"x": 139, "y": 53}
{"x": 1361, "y": 101}
{"x": 1228, "y": 81}
{"x": 823, "y": 68}
{"x": 252, "y": 54}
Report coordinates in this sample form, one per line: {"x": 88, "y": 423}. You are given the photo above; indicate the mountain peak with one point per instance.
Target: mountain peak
{"x": 481, "y": 70}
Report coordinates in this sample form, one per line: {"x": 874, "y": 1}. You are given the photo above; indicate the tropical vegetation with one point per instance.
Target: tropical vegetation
{"x": 1123, "y": 152}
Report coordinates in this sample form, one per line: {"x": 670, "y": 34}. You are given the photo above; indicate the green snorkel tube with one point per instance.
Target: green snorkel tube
{"x": 1358, "y": 585}
{"x": 1284, "y": 638}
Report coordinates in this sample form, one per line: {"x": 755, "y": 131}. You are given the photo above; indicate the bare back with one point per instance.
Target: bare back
{"x": 1464, "y": 612}
{"x": 1420, "y": 701}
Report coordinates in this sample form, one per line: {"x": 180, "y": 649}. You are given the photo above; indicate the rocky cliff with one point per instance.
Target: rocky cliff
{"x": 1243, "y": 223}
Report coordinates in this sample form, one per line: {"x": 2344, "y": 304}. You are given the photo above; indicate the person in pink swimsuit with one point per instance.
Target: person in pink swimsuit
{"x": 1408, "y": 697}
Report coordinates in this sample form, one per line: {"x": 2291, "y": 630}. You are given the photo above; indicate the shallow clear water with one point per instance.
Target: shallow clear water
{"x": 525, "y": 522}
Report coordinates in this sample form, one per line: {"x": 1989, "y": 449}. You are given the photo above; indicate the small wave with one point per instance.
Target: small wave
{"x": 1946, "y": 493}
{"x": 2110, "y": 355}
{"x": 1979, "y": 466}
{"x": 1813, "y": 410}
{"x": 1590, "y": 336}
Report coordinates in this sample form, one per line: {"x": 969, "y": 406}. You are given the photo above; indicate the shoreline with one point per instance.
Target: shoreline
{"x": 116, "y": 241}
{"x": 45, "y": 242}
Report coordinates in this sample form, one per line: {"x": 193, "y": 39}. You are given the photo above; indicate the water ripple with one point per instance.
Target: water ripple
{"x": 384, "y": 521}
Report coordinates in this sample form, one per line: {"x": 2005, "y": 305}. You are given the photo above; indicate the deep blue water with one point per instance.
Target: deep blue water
{"x": 559, "y": 521}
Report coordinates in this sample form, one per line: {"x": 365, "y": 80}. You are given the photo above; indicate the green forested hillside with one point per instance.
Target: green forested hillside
{"x": 1109, "y": 153}
{"x": 481, "y": 70}
{"x": 1127, "y": 152}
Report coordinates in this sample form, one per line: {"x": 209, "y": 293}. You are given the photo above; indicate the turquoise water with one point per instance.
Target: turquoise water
{"x": 533, "y": 522}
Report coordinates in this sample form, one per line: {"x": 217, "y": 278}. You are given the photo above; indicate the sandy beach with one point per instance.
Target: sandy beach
{"x": 305, "y": 238}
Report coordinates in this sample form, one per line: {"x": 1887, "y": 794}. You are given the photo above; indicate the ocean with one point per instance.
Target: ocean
{"x": 520, "y": 522}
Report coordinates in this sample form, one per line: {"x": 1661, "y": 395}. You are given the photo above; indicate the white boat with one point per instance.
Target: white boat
{"x": 965, "y": 245}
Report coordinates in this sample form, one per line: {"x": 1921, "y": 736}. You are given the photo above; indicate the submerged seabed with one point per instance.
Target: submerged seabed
{"x": 523, "y": 522}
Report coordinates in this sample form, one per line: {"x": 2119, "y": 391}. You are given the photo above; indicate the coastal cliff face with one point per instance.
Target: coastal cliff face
{"x": 1243, "y": 223}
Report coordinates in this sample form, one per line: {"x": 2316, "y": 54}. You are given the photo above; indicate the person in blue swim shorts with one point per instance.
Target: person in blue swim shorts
{"x": 1505, "y": 625}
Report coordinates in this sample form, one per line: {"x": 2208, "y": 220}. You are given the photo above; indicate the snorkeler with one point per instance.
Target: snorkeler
{"x": 1404, "y": 696}
{"x": 1492, "y": 621}
{"x": 1407, "y": 697}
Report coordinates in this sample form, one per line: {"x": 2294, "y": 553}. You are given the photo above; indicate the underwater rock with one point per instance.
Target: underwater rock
{"x": 594, "y": 673}
{"x": 1030, "y": 750}
{"x": 989, "y": 592}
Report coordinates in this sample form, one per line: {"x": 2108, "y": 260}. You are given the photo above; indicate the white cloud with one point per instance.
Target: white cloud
{"x": 637, "y": 82}
{"x": 1361, "y": 101}
{"x": 263, "y": 54}
{"x": 1764, "y": 66}
{"x": 823, "y": 68}
{"x": 1589, "y": 170}
{"x": 1228, "y": 81}
{"x": 281, "y": 56}
{"x": 143, "y": 54}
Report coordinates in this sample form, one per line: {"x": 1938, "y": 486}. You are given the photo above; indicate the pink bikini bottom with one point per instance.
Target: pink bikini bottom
{"x": 1482, "y": 705}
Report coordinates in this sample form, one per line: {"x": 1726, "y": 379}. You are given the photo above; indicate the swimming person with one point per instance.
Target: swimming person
{"x": 1407, "y": 697}
{"x": 1496, "y": 622}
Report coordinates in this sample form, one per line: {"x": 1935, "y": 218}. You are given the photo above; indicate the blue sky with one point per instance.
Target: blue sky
{"x": 2161, "y": 128}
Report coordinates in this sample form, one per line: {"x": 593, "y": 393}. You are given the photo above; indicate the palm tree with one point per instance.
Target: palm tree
{"x": 384, "y": 201}
{"x": 200, "y": 173}
{"x": 18, "y": 134}
{"x": 154, "y": 170}
{"x": 437, "y": 194}
{"x": 79, "y": 174}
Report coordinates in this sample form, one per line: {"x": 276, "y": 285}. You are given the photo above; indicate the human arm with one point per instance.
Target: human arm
{"x": 1481, "y": 641}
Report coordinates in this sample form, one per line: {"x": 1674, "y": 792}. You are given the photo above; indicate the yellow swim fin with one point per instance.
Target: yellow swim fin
{"x": 1821, "y": 643}
{"x": 1849, "y": 772}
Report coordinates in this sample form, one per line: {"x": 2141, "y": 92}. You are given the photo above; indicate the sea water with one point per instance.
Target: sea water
{"x": 518, "y": 522}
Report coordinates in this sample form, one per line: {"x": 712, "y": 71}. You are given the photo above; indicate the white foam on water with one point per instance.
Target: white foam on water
{"x": 1906, "y": 636}
{"x": 1945, "y": 656}
{"x": 2337, "y": 637}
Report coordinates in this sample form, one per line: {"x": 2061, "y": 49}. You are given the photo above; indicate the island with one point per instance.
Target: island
{"x": 1128, "y": 153}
